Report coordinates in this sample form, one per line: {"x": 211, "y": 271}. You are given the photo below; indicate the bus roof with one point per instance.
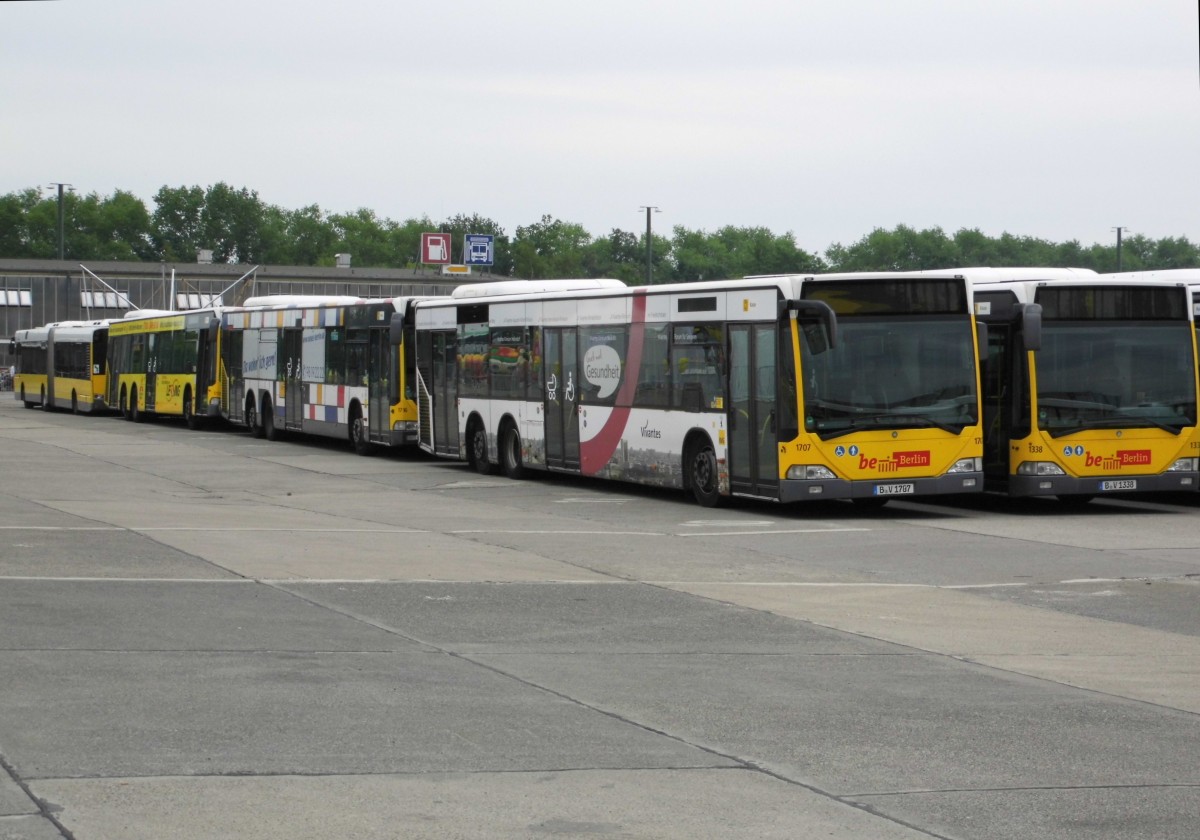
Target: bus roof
{"x": 521, "y": 287}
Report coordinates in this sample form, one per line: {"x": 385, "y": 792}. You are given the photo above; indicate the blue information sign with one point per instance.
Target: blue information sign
{"x": 479, "y": 249}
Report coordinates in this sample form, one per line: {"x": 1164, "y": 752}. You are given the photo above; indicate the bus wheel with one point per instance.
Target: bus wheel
{"x": 45, "y": 405}
{"x": 701, "y": 463}
{"x": 134, "y": 414}
{"x": 510, "y": 452}
{"x": 477, "y": 449}
{"x": 123, "y": 406}
{"x": 251, "y": 418}
{"x": 189, "y": 410}
{"x": 270, "y": 430}
{"x": 74, "y": 403}
{"x": 358, "y": 432}
{"x": 28, "y": 404}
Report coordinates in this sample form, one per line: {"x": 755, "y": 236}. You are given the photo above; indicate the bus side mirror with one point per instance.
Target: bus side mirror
{"x": 1031, "y": 325}
{"x": 818, "y": 322}
{"x": 396, "y": 329}
{"x": 981, "y": 337}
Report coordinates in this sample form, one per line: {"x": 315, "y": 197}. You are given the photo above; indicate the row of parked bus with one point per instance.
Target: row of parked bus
{"x": 868, "y": 386}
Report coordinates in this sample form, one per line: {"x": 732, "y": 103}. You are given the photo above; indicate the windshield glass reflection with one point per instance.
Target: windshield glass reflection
{"x": 1101, "y": 374}
{"x": 892, "y": 373}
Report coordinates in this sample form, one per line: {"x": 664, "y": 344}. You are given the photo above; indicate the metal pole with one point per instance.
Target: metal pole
{"x": 61, "y": 249}
{"x": 1120, "y": 264}
{"x": 61, "y": 240}
{"x": 649, "y": 245}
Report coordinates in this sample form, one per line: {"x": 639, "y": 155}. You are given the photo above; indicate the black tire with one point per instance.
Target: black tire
{"x": 510, "y": 452}
{"x": 702, "y": 477}
{"x": 270, "y": 430}
{"x": 477, "y": 453}
{"x": 251, "y": 419}
{"x": 124, "y": 405}
{"x": 74, "y": 403}
{"x": 358, "y": 433}
{"x": 189, "y": 410}
{"x": 45, "y": 405}
{"x": 27, "y": 403}
{"x": 136, "y": 415}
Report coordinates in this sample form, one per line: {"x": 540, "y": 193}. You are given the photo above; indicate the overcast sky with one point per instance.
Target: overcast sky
{"x": 1059, "y": 119}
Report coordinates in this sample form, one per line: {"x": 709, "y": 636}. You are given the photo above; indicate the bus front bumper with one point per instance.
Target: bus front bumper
{"x": 797, "y": 490}
{"x": 1067, "y": 485}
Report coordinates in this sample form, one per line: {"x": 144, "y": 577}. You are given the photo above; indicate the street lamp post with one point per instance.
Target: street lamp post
{"x": 649, "y": 243}
{"x": 61, "y": 248}
{"x": 1119, "y": 263}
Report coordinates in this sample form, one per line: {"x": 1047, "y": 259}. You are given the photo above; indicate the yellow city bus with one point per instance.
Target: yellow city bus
{"x": 165, "y": 363}
{"x": 333, "y": 366}
{"x": 1090, "y": 383}
{"x": 856, "y": 386}
{"x": 65, "y": 364}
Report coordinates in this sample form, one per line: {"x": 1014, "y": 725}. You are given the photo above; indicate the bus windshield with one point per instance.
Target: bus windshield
{"x": 1103, "y": 374}
{"x": 894, "y": 372}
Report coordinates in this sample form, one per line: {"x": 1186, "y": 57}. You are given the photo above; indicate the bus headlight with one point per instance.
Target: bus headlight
{"x": 810, "y": 472}
{"x": 1183, "y": 465}
{"x": 1039, "y": 468}
{"x": 966, "y": 465}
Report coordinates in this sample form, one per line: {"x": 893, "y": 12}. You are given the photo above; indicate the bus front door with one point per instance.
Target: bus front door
{"x": 437, "y": 392}
{"x": 753, "y": 370}
{"x": 562, "y": 398}
{"x": 1000, "y": 384}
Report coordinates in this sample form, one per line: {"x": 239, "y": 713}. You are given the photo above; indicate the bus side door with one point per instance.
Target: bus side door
{"x": 562, "y": 397}
{"x": 382, "y": 368}
{"x": 291, "y": 370}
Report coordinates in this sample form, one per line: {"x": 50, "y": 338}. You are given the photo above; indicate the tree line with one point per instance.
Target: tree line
{"x": 239, "y": 227}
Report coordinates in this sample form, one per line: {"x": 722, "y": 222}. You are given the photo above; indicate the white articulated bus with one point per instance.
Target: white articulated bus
{"x": 723, "y": 388}
{"x": 333, "y": 366}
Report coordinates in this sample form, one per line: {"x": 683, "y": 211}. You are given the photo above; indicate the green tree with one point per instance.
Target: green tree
{"x": 231, "y": 220}
{"x": 113, "y": 228}
{"x": 904, "y": 249}
{"x": 550, "y": 248}
{"x": 622, "y": 256}
{"x": 15, "y": 234}
{"x": 177, "y": 232}
{"x": 364, "y": 237}
{"x": 312, "y": 235}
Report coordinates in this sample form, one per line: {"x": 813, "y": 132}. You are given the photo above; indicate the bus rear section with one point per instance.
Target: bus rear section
{"x": 332, "y": 366}
{"x": 165, "y": 363}
{"x": 77, "y": 352}
{"x": 891, "y": 411}
{"x": 1090, "y": 387}
{"x": 31, "y": 377}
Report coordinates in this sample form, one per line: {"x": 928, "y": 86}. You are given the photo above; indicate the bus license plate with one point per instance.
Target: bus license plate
{"x": 894, "y": 489}
{"x": 1126, "y": 484}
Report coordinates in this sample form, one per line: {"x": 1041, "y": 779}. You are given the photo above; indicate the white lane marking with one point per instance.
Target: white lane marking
{"x": 559, "y": 533}
{"x": 714, "y": 523}
{"x": 783, "y": 531}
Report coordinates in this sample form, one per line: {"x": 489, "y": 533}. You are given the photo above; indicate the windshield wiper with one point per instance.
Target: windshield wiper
{"x": 1114, "y": 423}
{"x": 922, "y": 418}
